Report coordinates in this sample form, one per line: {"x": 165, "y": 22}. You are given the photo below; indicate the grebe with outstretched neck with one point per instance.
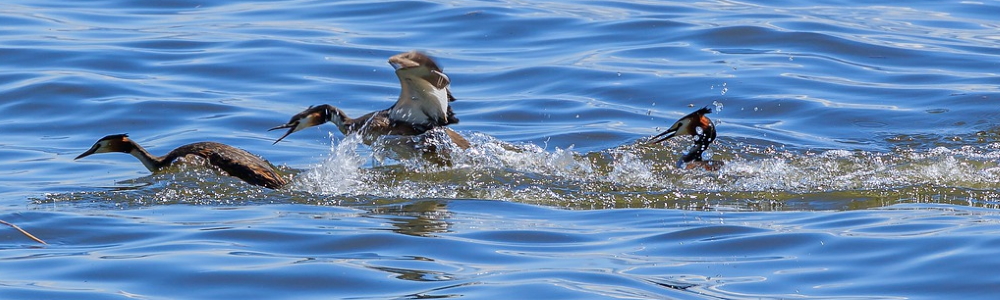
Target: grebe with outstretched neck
{"x": 700, "y": 126}
{"x": 234, "y": 161}
{"x": 423, "y": 105}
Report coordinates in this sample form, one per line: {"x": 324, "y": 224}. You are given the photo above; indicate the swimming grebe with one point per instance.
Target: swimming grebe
{"x": 696, "y": 124}
{"x": 423, "y": 104}
{"x": 234, "y": 161}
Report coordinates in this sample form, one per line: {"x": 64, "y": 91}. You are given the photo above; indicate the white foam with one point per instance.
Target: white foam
{"x": 493, "y": 169}
{"x": 338, "y": 173}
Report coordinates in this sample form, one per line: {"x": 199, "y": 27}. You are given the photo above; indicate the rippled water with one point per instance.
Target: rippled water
{"x": 860, "y": 141}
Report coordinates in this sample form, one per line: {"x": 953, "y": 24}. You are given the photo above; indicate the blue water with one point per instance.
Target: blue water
{"x": 861, "y": 143}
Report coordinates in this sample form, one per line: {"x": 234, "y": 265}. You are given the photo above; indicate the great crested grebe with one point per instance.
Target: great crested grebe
{"x": 234, "y": 161}
{"x": 423, "y": 104}
{"x": 700, "y": 126}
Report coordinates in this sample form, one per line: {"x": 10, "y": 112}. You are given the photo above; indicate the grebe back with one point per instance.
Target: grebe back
{"x": 234, "y": 161}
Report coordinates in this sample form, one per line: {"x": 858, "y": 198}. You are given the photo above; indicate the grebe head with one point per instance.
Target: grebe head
{"x": 425, "y": 92}
{"x": 312, "y": 116}
{"x": 695, "y": 123}
{"x": 111, "y": 143}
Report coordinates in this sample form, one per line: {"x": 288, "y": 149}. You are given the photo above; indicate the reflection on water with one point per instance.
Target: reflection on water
{"x": 468, "y": 248}
{"x": 425, "y": 218}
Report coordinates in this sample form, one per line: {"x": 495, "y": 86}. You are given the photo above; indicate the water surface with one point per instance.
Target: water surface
{"x": 860, "y": 141}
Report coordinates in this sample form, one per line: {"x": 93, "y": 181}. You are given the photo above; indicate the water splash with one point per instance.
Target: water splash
{"x": 632, "y": 175}
{"x": 642, "y": 175}
{"x": 718, "y": 106}
{"x": 338, "y": 173}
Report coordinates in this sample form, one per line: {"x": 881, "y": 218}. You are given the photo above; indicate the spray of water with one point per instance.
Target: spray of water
{"x": 639, "y": 175}
{"x": 632, "y": 175}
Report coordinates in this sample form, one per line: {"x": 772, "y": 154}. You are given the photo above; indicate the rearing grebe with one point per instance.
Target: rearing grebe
{"x": 423, "y": 104}
{"x": 696, "y": 124}
{"x": 234, "y": 161}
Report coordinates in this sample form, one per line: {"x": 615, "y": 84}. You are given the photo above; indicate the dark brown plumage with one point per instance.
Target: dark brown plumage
{"x": 231, "y": 160}
{"x": 423, "y": 105}
{"x": 369, "y": 126}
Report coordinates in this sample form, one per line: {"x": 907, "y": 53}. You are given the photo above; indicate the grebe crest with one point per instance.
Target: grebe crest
{"x": 700, "y": 126}
{"x": 313, "y": 116}
{"x": 120, "y": 143}
{"x": 695, "y": 123}
{"x": 110, "y": 143}
{"x": 231, "y": 160}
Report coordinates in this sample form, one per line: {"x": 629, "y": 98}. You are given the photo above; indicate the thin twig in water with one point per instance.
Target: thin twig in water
{"x": 24, "y": 232}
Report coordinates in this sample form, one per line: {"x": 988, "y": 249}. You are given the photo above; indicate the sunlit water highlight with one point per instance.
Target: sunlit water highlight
{"x": 860, "y": 145}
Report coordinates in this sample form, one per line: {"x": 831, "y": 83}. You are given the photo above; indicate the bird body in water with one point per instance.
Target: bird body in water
{"x": 231, "y": 160}
{"x": 369, "y": 126}
{"x": 423, "y": 105}
{"x": 700, "y": 126}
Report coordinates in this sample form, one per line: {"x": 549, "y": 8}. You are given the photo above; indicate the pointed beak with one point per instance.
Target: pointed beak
{"x": 292, "y": 125}
{"x": 89, "y": 152}
{"x": 403, "y": 61}
{"x": 668, "y": 134}
{"x": 308, "y": 118}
